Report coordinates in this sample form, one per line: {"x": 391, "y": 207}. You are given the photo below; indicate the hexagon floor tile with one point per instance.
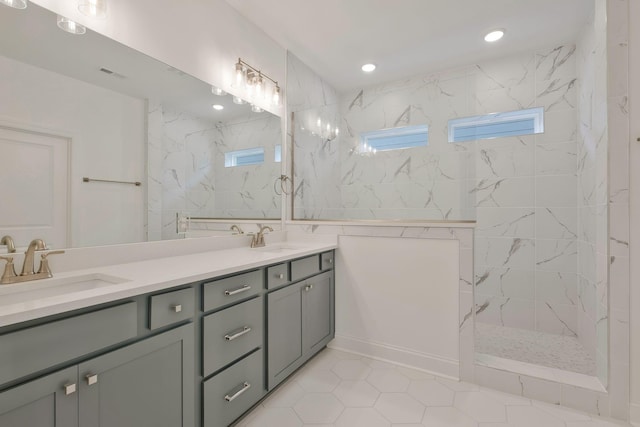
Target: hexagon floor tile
{"x": 339, "y": 389}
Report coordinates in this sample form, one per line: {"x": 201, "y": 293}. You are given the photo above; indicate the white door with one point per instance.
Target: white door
{"x": 34, "y": 187}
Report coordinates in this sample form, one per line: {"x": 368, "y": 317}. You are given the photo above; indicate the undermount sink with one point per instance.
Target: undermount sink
{"x": 278, "y": 248}
{"x": 54, "y": 287}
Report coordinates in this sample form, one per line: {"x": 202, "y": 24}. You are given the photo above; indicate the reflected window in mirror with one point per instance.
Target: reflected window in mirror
{"x": 249, "y": 156}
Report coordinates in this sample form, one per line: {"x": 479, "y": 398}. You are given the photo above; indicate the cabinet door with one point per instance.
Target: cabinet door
{"x": 284, "y": 337}
{"x": 318, "y": 312}
{"x": 43, "y": 402}
{"x": 146, "y": 384}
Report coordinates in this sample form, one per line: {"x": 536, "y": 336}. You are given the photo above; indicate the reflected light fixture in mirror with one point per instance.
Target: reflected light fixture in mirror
{"x": 93, "y": 8}
{"x": 70, "y": 26}
{"x": 217, "y": 91}
{"x": 16, "y": 4}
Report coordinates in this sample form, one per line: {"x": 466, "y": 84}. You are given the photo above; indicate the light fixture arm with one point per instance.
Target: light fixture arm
{"x": 256, "y": 71}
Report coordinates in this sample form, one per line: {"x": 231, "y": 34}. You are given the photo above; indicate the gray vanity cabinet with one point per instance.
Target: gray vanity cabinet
{"x": 146, "y": 384}
{"x": 42, "y": 402}
{"x": 300, "y": 323}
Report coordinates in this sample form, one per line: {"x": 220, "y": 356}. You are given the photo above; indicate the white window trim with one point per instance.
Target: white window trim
{"x": 536, "y": 113}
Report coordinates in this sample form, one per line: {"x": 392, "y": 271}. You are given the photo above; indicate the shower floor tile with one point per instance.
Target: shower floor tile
{"x": 539, "y": 348}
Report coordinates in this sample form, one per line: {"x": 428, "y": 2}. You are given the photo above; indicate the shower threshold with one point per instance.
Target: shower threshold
{"x": 542, "y": 372}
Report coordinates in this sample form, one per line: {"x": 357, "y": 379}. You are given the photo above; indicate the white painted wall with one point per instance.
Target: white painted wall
{"x": 203, "y": 38}
{"x": 112, "y": 147}
{"x": 634, "y": 103}
{"x": 397, "y": 299}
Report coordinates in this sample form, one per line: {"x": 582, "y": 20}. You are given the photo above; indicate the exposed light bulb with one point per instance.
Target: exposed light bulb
{"x": 337, "y": 131}
{"x": 16, "y": 4}
{"x": 276, "y": 95}
{"x": 70, "y": 26}
{"x": 259, "y": 84}
{"x": 319, "y": 123}
{"x": 239, "y": 74}
{"x": 93, "y": 8}
{"x": 494, "y": 36}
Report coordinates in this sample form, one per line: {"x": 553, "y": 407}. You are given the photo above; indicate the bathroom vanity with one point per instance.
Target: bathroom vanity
{"x": 201, "y": 350}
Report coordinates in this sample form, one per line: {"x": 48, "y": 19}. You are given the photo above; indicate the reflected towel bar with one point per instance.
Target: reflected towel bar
{"x": 136, "y": 183}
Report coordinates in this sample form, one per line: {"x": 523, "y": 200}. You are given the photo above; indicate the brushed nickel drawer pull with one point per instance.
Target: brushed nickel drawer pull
{"x": 245, "y": 330}
{"x": 69, "y": 389}
{"x": 91, "y": 379}
{"x": 280, "y": 276}
{"x": 244, "y": 288}
{"x": 177, "y": 308}
{"x": 246, "y": 386}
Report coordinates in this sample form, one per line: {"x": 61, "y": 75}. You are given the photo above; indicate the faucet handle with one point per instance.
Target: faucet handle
{"x": 9, "y": 270}
{"x": 44, "y": 262}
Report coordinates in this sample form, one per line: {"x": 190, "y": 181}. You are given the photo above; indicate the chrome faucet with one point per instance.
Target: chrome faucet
{"x": 8, "y": 241}
{"x": 28, "y": 273}
{"x": 258, "y": 239}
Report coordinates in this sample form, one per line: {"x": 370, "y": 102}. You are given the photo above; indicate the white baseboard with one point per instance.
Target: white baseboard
{"x": 425, "y": 362}
{"x": 634, "y": 414}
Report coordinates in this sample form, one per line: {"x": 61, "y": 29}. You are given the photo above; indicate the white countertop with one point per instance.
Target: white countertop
{"x": 31, "y": 300}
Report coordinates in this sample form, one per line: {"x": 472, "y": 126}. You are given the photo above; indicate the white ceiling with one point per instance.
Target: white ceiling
{"x": 408, "y": 37}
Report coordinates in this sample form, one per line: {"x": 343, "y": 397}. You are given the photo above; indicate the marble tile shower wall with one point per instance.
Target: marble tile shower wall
{"x": 186, "y": 170}
{"x": 592, "y": 192}
{"x": 526, "y": 188}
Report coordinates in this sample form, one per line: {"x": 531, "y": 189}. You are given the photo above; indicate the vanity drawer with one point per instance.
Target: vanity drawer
{"x": 30, "y": 350}
{"x": 327, "y": 260}
{"x": 305, "y": 267}
{"x": 233, "y": 391}
{"x": 235, "y": 288}
{"x": 277, "y": 275}
{"x": 171, "y": 307}
{"x": 231, "y": 333}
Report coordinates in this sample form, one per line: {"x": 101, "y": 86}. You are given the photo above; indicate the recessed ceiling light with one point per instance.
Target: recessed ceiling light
{"x": 218, "y": 107}
{"x": 494, "y": 36}
{"x": 367, "y": 68}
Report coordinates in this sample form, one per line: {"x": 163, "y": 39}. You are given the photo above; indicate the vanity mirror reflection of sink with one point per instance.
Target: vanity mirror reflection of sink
{"x": 22, "y": 293}
{"x": 110, "y": 112}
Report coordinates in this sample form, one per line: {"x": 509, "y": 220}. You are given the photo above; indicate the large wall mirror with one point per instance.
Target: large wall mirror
{"x": 85, "y": 106}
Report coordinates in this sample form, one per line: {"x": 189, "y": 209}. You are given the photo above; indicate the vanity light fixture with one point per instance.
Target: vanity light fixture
{"x": 93, "y": 8}
{"x": 256, "y": 84}
{"x": 367, "y": 68}
{"x": 70, "y": 26}
{"x": 16, "y": 4}
{"x": 217, "y": 91}
{"x": 494, "y": 36}
{"x": 218, "y": 107}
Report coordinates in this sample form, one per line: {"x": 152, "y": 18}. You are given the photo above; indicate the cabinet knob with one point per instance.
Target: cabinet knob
{"x": 92, "y": 379}
{"x": 176, "y": 308}
{"x": 308, "y": 288}
{"x": 280, "y": 276}
{"x": 69, "y": 389}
